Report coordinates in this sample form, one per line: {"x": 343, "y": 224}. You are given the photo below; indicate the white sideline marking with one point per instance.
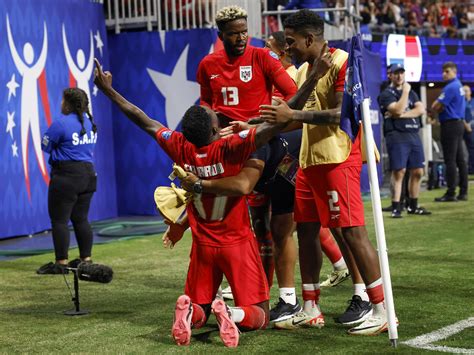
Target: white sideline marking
{"x": 425, "y": 341}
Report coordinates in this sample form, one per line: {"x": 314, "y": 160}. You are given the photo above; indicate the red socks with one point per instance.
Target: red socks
{"x": 254, "y": 318}
{"x": 375, "y": 292}
{"x": 329, "y": 245}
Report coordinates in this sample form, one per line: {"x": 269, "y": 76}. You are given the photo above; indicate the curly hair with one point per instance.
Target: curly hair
{"x": 229, "y": 13}
{"x": 197, "y": 126}
{"x": 78, "y": 102}
{"x": 305, "y": 21}
{"x": 279, "y": 39}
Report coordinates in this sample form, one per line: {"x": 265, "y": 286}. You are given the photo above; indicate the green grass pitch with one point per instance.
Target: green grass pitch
{"x": 432, "y": 268}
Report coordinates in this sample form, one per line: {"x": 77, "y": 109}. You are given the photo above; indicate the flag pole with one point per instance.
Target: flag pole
{"x": 379, "y": 225}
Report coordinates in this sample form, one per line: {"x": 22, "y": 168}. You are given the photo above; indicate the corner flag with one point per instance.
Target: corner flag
{"x": 354, "y": 90}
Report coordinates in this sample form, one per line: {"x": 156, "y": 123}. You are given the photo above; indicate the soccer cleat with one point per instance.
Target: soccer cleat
{"x": 228, "y": 331}
{"x": 283, "y": 310}
{"x": 357, "y": 312}
{"x": 462, "y": 197}
{"x": 183, "y": 314}
{"x": 419, "y": 211}
{"x": 301, "y": 319}
{"x": 387, "y": 209}
{"x": 336, "y": 277}
{"x": 374, "y": 325}
{"x": 227, "y": 293}
{"x": 396, "y": 214}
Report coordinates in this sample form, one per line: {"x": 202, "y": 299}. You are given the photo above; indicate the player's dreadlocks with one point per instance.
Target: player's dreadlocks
{"x": 78, "y": 102}
{"x": 305, "y": 21}
{"x": 229, "y": 13}
{"x": 196, "y": 126}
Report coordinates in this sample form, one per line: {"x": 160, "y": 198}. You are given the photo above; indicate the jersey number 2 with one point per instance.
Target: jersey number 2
{"x": 333, "y": 201}
{"x": 230, "y": 95}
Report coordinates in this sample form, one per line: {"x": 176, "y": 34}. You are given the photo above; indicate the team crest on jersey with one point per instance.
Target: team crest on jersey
{"x": 244, "y": 134}
{"x": 246, "y": 73}
{"x": 166, "y": 135}
{"x": 274, "y": 55}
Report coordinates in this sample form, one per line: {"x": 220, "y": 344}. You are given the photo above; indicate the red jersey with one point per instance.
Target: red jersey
{"x": 214, "y": 220}
{"x": 237, "y": 86}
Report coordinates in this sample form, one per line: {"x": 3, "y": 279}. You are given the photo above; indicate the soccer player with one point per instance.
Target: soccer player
{"x": 236, "y": 80}
{"x": 328, "y": 183}
{"x": 277, "y": 44}
{"x": 223, "y": 241}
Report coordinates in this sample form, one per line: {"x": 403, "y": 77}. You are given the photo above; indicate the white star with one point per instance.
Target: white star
{"x": 94, "y": 90}
{"x": 12, "y": 85}
{"x": 14, "y": 149}
{"x": 10, "y": 123}
{"x": 179, "y": 92}
{"x": 99, "y": 44}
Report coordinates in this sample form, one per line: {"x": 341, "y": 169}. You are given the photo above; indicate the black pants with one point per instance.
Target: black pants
{"x": 69, "y": 196}
{"x": 452, "y": 141}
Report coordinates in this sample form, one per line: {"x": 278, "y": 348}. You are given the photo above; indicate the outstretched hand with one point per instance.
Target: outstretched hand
{"x": 280, "y": 113}
{"x": 233, "y": 127}
{"x": 323, "y": 63}
{"x": 103, "y": 80}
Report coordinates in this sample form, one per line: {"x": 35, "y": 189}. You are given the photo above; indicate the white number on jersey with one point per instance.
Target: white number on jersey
{"x": 333, "y": 200}
{"x": 218, "y": 208}
{"x": 230, "y": 95}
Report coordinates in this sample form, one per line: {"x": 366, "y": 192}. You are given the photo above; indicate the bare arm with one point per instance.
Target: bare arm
{"x": 320, "y": 68}
{"x": 398, "y": 108}
{"x": 437, "y": 106}
{"x": 103, "y": 80}
{"x": 241, "y": 184}
{"x": 415, "y": 112}
{"x": 284, "y": 114}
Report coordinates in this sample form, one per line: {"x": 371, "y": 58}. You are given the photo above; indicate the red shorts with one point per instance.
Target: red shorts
{"x": 329, "y": 194}
{"x": 257, "y": 199}
{"x": 241, "y": 266}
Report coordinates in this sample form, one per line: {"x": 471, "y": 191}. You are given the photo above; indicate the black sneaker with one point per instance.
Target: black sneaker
{"x": 52, "y": 269}
{"x": 75, "y": 263}
{"x": 396, "y": 214}
{"x": 357, "y": 312}
{"x": 283, "y": 310}
{"x": 387, "y": 209}
{"x": 446, "y": 198}
{"x": 418, "y": 210}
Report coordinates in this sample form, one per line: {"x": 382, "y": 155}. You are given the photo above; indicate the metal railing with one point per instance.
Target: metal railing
{"x": 334, "y": 29}
{"x": 166, "y": 15}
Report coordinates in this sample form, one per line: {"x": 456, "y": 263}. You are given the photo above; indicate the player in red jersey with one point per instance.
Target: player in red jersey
{"x": 223, "y": 241}
{"x": 236, "y": 80}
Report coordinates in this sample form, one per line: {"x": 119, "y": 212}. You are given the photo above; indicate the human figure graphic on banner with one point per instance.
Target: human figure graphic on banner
{"x": 30, "y": 73}
{"x": 81, "y": 72}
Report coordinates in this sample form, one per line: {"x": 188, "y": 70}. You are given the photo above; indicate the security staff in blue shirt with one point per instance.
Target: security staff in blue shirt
{"x": 402, "y": 110}
{"x": 451, "y": 106}
{"x": 70, "y": 141}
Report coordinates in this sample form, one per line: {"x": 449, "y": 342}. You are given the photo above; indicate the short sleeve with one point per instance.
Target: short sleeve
{"x": 203, "y": 80}
{"x": 341, "y": 78}
{"x": 414, "y": 97}
{"x": 385, "y": 99}
{"x": 447, "y": 95}
{"x": 52, "y": 137}
{"x": 172, "y": 143}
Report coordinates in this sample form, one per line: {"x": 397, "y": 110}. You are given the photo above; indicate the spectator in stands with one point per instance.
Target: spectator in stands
{"x": 451, "y": 106}
{"x": 402, "y": 110}
{"x": 304, "y": 4}
{"x": 70, "y": 141}
{"x": 468, "y": 134}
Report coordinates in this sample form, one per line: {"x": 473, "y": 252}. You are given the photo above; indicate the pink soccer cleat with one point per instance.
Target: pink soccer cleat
{"x": 228, "y": 331}
{"x": 183, "y": 314}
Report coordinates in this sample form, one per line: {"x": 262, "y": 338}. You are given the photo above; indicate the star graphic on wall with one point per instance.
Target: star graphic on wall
{"x": 99, "y": 44}
{"x": 14, "y": 149}
{"x": 179, "y": 92}
{"x": 10, "y": 123}
{"x": 94, "y": 90}
{"x": 12, "y": 85}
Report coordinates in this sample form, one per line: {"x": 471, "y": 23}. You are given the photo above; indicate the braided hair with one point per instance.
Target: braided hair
{"x": 78, "y": 102}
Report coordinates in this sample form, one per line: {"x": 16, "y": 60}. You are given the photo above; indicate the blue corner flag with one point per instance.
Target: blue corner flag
{"x": 355, "y": 89}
